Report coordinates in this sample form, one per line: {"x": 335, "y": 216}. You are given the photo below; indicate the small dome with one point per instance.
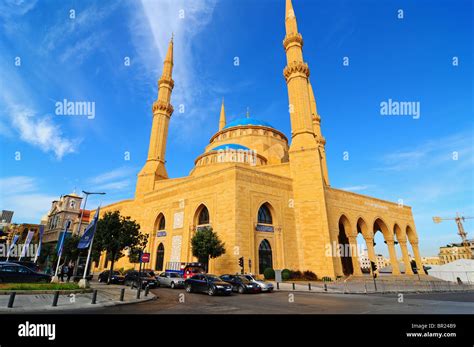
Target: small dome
{"x": 247, "y": 121}
{"x": 228, "y": 146}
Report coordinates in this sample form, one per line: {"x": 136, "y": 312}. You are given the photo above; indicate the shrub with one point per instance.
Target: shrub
{"x": 310, "y": 275}
{"x": 269, "y": 273}
{"x": 296, "y": 275}
{"x": 326, "y": 279}
{"x": 285, "y": 274}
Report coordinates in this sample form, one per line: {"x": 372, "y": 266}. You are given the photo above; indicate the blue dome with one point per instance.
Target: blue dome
{"x": 247, "y": 121}
{"x": 230, "y": 146}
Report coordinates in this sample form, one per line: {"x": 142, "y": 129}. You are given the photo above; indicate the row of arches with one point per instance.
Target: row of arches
{"x": 394, "y": 237}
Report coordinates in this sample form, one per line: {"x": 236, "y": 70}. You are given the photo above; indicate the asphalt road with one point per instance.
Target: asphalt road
{"x": 177, "y": 301}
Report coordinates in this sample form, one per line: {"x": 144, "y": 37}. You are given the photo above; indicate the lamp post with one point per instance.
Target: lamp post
{"x": 80, "y": 224}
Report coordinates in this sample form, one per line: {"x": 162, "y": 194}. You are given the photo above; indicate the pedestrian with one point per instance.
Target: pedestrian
{"x": 70, "y": 271}
{"x": 63, "y": 272}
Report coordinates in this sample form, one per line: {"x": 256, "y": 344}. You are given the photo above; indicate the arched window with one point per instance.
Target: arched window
{"x": 264, "y": 256}
{"x": 161, "y": 222}
{"x": 160, "y": 257}
{"x": 203, "y": 216}
{"x": 264, "y": 215}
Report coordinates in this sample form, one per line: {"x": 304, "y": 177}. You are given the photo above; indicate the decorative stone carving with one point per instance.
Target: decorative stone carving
{"x": 295, "y": 67}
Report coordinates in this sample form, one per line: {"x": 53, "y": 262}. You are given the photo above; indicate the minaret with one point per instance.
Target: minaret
{"x": 306, "y": 167}
{"x": 320, "y": 140}
{"x": 154, "y": 168}
{"x": 222, "y": 117}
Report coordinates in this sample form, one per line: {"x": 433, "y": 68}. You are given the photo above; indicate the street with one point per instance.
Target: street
{"x": 177, "y": 301}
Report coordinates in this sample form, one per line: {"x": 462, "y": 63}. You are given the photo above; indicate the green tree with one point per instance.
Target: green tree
{"x": 114, "y": 234}
{"x": 207, "y": 245}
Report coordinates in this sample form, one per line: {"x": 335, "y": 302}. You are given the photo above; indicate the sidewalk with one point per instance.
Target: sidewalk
{"x": 107, "y": 295}
{"x": 366, "y": 286}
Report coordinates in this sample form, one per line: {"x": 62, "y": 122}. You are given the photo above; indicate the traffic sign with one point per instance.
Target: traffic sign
{"x": 145, "y": 257}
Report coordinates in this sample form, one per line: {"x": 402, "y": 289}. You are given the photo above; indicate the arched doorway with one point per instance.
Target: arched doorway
{"x": 161, "y": 222}
{"x": 264, "y": 256}
{"x": 343, "y": 240}
{"x": 160, "y": 257}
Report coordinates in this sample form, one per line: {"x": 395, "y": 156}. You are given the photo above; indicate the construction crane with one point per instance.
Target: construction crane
{"x": 461, "y": 232}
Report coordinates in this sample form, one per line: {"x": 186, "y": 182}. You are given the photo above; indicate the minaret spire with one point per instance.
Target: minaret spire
{"x": 162, "y": 109}
{"x": 290, "y": 19}
{"x": 222, "y": 120}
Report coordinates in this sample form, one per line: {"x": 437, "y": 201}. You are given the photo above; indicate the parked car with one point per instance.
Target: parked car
{"x": 241, "y": 284}
{"x": 264, "y": 286}
{"x": 192, "y": 269}
{"x": 132, "y": 278}
{"x": 170, "y": 279}
{"x": 209, "y": 284}
{"x": 117, "y": 277}
{"x": 29, "y": 264}
{"x": 15, "y": 273}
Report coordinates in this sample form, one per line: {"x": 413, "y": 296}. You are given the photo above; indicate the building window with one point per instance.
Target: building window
{"x": 160, "y": 257}
{"x": 72, "y": 204}
{"x": 264, "y": 256}
{"x": 203, "y": 216}
{"x": 264, "y": 215}
{"x": 161, "y": 222}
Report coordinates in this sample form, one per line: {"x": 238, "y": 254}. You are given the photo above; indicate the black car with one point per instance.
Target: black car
{"x": 15, "y": 273}
{"x": 132, "y": 278}
{"x": 241, "y": 284}
{"x": 117, "y": 277}
{"x": 29, "y": 264}
{"x": 209, "y": 284}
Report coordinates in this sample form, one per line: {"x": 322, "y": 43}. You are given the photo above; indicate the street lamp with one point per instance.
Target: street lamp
{"x": 80, "y": 224}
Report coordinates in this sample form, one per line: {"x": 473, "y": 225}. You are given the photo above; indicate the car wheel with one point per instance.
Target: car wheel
{"x": 189, "y": 289}
{"x": 211, "y": 291}
{"x": 241, "y": 289}
{"x": 173, "y": 286}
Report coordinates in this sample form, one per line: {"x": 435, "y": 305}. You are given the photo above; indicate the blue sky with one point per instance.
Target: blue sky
{"x": 82, "y": 59}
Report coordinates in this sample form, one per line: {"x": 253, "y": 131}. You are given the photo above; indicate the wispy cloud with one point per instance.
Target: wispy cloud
{"x": 357, "y": 188}
{"x": 113, "y": 180}
{"x": 21, "y": 195}
{"x": 151, "y": 28}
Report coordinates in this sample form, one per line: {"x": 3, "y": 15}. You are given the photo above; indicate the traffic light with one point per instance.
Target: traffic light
{"x": 373, "y": 266}
{"x": 241, "y": 262}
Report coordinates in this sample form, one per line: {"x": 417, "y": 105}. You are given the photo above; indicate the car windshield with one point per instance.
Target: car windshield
{"x": 250, "y": 278}
{"x": 174, "y": 275}
{"x": 243, "y": 279}
{"x": 214, "y": 279}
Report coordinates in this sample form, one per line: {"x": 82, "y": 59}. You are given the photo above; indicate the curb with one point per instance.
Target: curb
{"x": 49, "y": 291}
{"x": 51, "y": 309}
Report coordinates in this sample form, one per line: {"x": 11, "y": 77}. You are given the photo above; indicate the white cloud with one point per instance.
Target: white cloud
{"x": 356, "y": 188}
{"x": 151, "y": 28}
{"x": 20, "y": 194}
{"x": 117, "y": 179}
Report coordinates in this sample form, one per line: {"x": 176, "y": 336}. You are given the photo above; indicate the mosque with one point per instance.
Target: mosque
{"x": 267, "y": 196}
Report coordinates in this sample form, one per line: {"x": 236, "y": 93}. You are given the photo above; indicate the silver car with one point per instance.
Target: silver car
{"x": 170, "y": 279}
{"x": 265, "y": 286}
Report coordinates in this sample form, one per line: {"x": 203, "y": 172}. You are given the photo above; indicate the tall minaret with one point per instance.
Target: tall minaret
{"x": 222, "y": 120}
{"x": 306, "y": 167}
{"x": 154, "y": 168}
{"x": 320, "y": 140}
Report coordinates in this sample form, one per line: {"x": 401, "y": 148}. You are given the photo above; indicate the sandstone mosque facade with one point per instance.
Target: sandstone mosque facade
{"x": 268, "y": 197}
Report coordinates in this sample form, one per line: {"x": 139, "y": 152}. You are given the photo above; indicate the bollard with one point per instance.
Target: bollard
{"x": 309, "y": 286}
{"x": 94, "y": 296}
{"x": 122, "y": 294}
{"x": 278, "y": 285}
{"x": 138, "y": 293}
{"x": 55, "y": 298}
{"x": 293, "y": 285}
{"x": 11, "y": 300}
{"x": 325, "y": 287}
{"x": 147, "y": 289}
